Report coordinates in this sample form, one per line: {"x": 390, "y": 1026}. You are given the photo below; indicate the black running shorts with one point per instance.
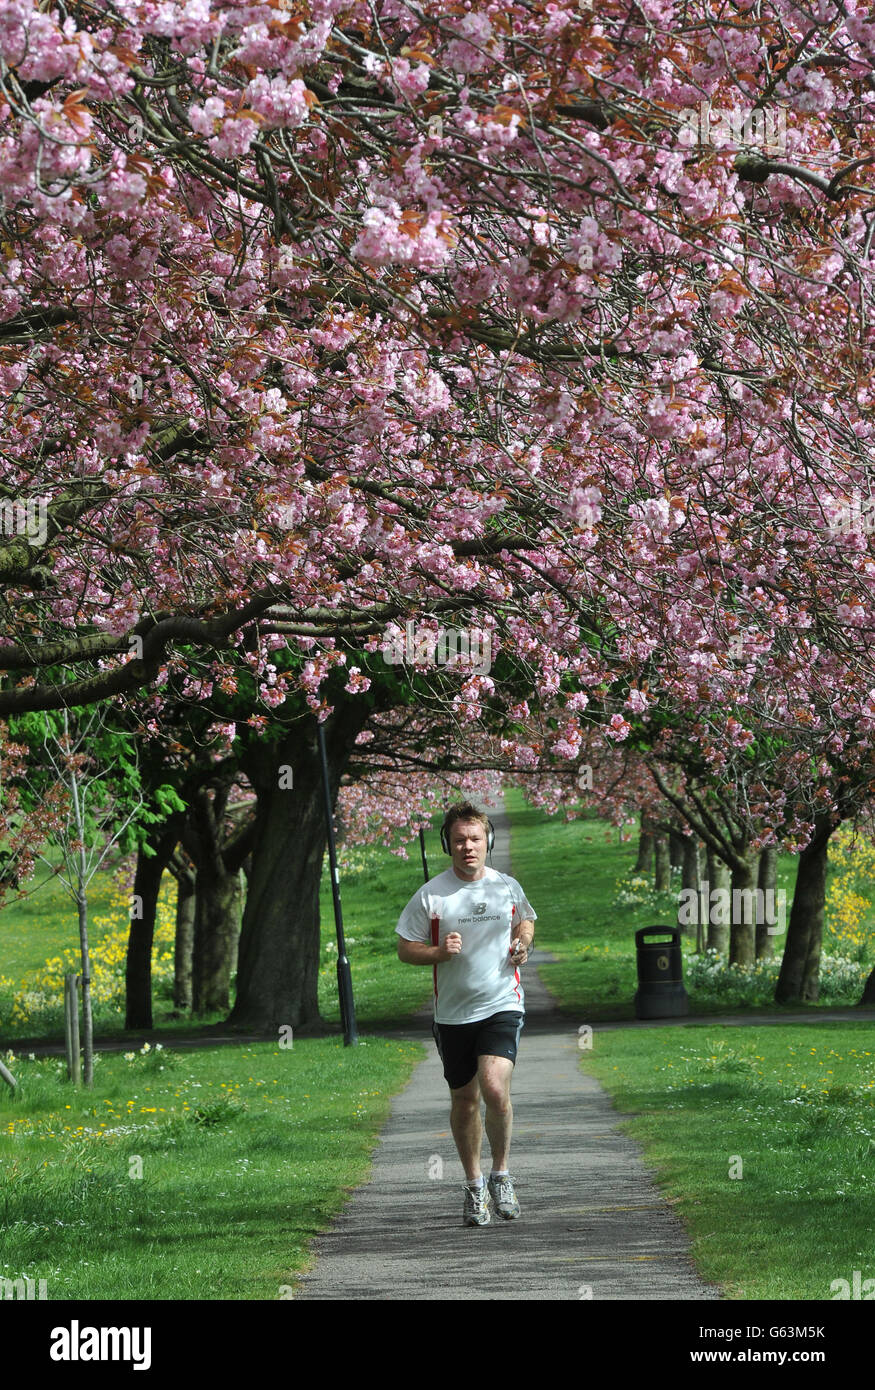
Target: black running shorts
{"x": 460, "y": 1044}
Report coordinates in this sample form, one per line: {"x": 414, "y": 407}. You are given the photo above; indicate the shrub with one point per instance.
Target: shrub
{"x": 711, "y": 977}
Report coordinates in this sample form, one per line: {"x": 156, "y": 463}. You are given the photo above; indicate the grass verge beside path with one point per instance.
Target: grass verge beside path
{"x": 762, "y": 1137}
{"x": 765, "y": 1140}
{"x": 201, "y": 1175}
{"x": 245, "y": 1152}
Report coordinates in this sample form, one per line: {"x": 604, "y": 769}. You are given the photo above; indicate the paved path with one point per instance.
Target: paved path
{"x": 592, "y": 1224}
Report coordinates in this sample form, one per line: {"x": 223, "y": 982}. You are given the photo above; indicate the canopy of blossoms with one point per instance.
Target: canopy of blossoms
{"x": 550, "y": 320}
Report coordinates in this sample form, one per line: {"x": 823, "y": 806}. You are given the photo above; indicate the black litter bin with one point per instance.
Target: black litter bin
{"x": 660, "y": 992}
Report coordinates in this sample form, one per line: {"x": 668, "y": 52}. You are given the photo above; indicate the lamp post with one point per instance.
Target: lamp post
{"x": 422, "y": 851}
{"x": 344, "y": 977}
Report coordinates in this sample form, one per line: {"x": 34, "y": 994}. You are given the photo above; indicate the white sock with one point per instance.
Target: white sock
{"x": 503, "y": 1174}
{"x": 475, "y": 1182}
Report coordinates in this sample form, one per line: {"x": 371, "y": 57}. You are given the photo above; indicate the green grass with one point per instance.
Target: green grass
{"x": 42, "y": 924}
{"x": 796, "y": 1105}
{"x": 245, "y": 1154}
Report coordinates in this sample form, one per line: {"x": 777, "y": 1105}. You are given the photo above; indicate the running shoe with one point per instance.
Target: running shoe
{"x": 476, "y": 1210}
{"x": 504, "y": 1198}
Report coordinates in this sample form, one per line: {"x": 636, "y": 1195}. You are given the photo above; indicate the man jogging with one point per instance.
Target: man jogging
{"x": 475, "y": 927}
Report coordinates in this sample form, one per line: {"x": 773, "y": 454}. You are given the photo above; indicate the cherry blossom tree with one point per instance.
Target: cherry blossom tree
{"x": 330, "y": 313}
{"x": 318, "y": 319}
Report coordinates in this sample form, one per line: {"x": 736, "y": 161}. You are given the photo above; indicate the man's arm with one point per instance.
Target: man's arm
{"x": 419, "y": 953}
{"x": 523, "y": 935}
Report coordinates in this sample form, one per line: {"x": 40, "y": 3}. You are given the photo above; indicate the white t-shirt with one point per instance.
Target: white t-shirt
{"x": 481, "y": 980}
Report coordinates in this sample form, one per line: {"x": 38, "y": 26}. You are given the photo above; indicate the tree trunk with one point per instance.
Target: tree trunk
{"x": 800, "y": 968}
{"x": 184, "y": 874}
{"x": 662, "y": 864}
{"x": 216, "y": 857}
{"x": 719, "y": 879}
{"x": 278, "y": 964}
{"x": 868, "y": 995}
{"x": 87, "y": 1016}
{"x": 742, "y": 931}
{"x": 237, "y": 910}
{"x": 676, "y": 842}
{"x": 216, "y": 931}
{"x": 691, "y": 880}
{"x": 147, "y": 882}
{"x": 82, "y": 910}
{"x": 767, "y": 881}
{"x": 644, "y": 862}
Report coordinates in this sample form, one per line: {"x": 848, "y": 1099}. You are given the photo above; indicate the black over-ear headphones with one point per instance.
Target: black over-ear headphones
{"x": 490, "y": 837}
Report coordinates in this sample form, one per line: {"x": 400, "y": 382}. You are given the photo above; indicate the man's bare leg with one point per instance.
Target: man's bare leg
{"x": 467, "y": 1126}
{"x": 494, "y": 1075}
